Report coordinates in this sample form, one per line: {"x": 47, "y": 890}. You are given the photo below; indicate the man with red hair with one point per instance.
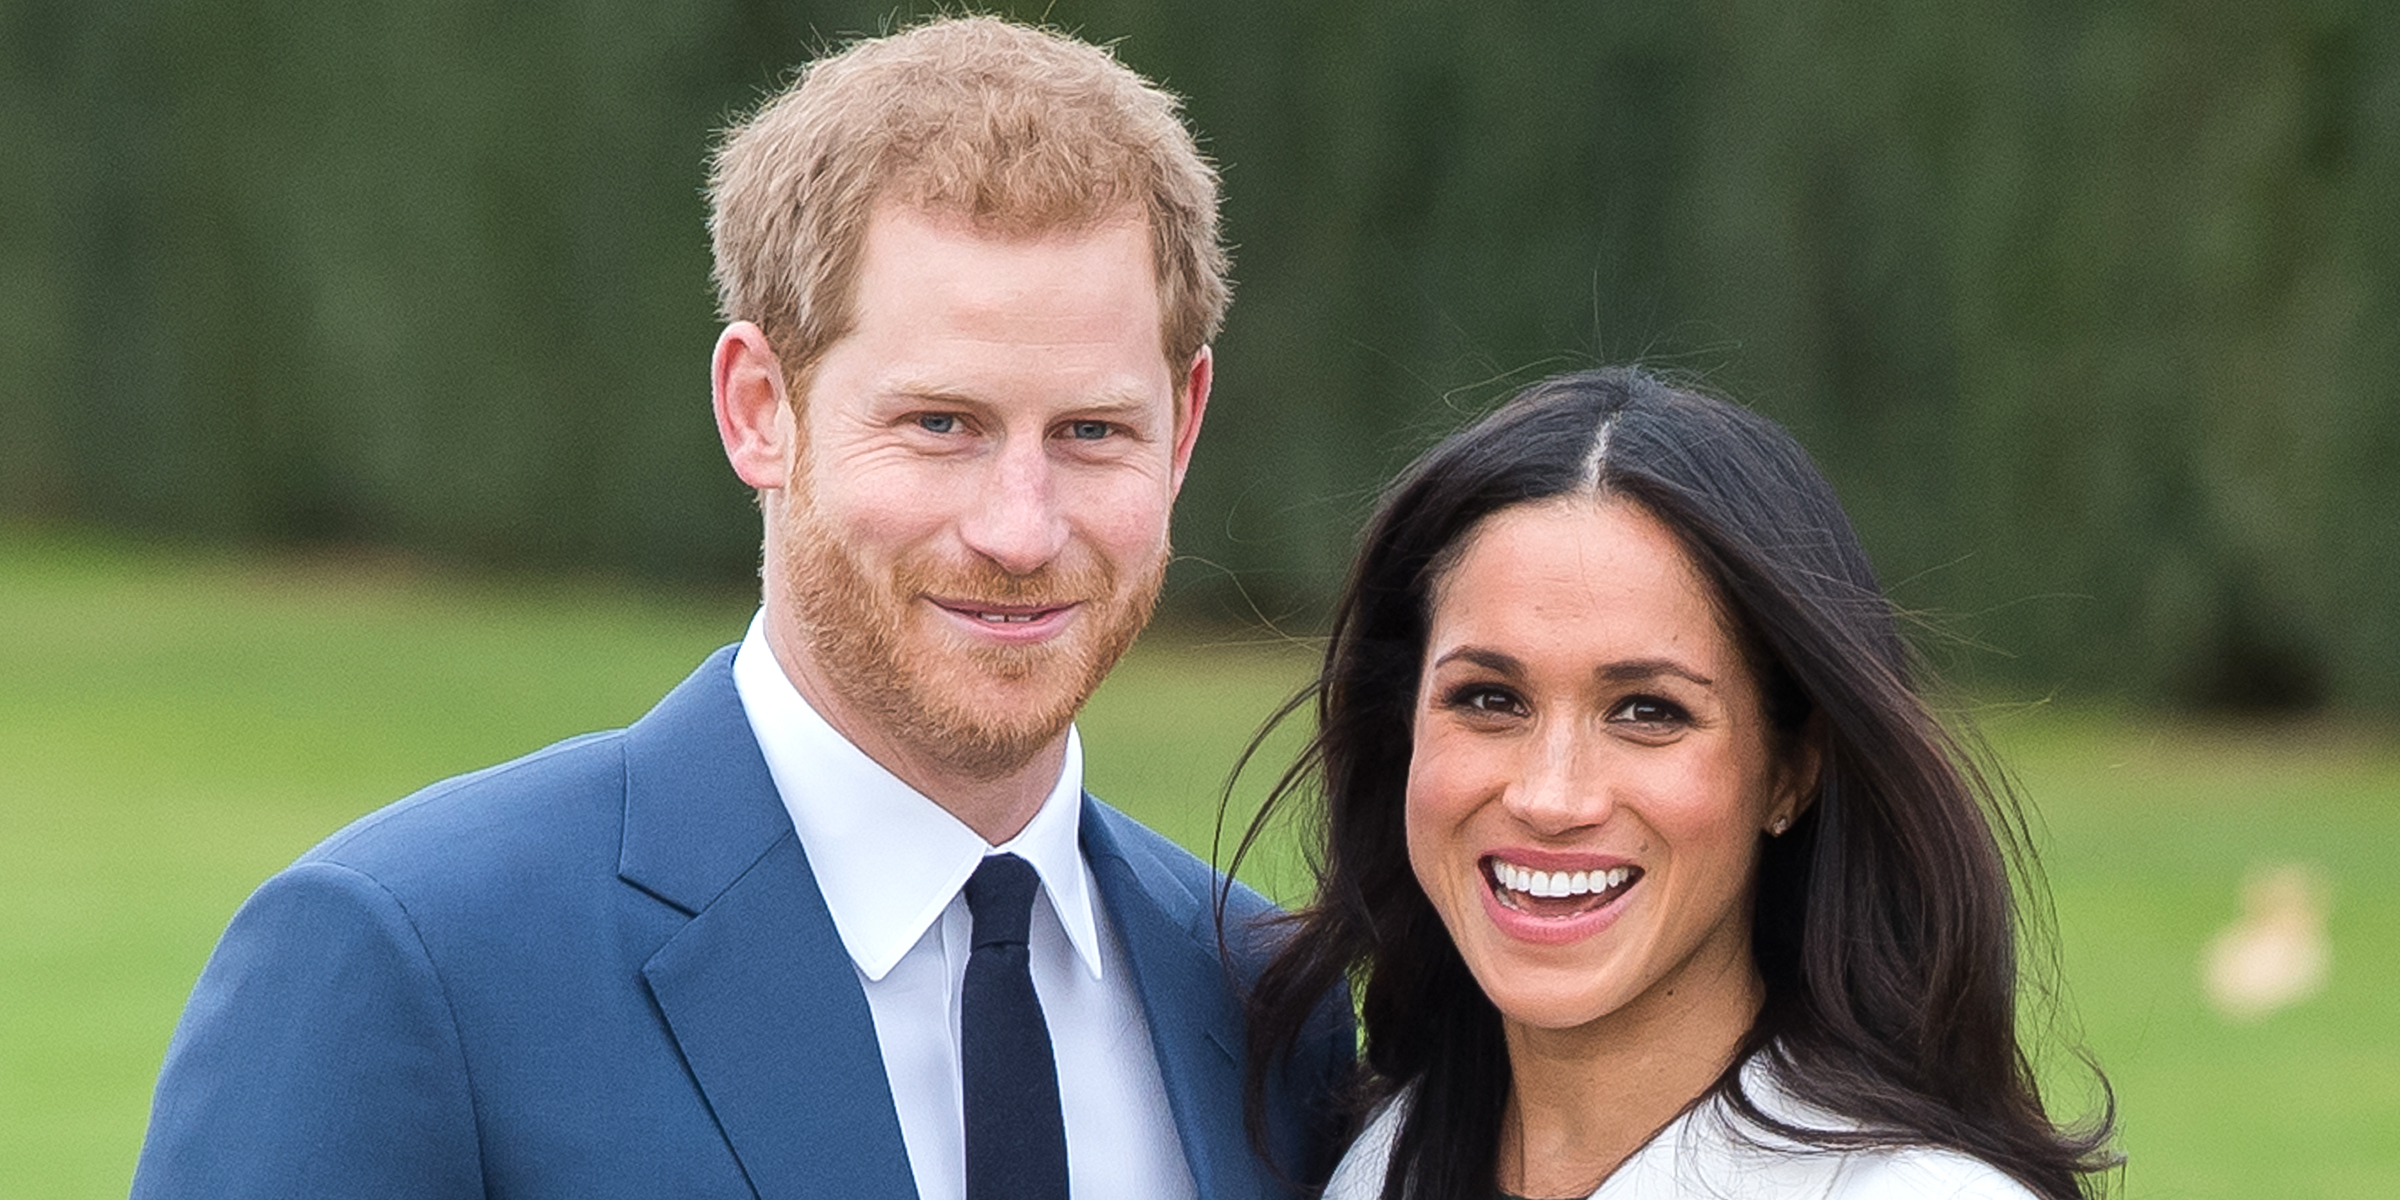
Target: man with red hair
{"x": 836, "y": 918}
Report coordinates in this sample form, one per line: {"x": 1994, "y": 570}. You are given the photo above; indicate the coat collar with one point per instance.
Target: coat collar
{"x": 1160, "y": 902}
{"x": 888, "y": 859}
{"x": 756, "y": 989}
{"x": 764, "y": 1002}
{"x": 700, "y": 808}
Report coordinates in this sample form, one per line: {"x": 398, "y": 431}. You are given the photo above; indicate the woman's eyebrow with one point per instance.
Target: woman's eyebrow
{"x": 1636, "y": 669}
{"x": 1490, "y": 660}
{"x": 1632, "y": 670}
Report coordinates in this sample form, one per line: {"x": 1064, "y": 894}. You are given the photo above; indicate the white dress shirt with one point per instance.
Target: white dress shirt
{"x": 891, "y": 864}
{"x": 1711, "y": 1153}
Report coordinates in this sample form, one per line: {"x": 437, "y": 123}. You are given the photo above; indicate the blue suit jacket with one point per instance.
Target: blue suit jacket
{"x": 606, "y": 970}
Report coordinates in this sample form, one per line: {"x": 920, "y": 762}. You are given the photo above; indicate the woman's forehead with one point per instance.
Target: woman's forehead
{"x": 1576, "y": 565}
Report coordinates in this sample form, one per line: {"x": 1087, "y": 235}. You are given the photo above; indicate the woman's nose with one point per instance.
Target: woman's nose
{"x": 1560, "y": 785}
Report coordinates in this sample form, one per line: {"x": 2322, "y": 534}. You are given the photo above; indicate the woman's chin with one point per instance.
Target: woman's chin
{"x": 1551, "y": 1012}
{"x": 1548, "y": 995}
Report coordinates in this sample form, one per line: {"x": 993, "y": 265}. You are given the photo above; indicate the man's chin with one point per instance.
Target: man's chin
{"x": 981, "y": 707}
{"x": 991, "y": 745}
{"x": 996, "y": 709}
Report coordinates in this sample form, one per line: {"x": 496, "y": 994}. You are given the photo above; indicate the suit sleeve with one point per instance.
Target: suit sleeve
{"x": 317, "y": 1057}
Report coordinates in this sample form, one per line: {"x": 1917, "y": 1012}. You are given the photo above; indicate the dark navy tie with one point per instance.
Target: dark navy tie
{"x": 1016, "y": 1139}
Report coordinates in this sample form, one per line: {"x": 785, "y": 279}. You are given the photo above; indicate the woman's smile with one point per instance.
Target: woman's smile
{"x": 1593, "y": 769}
{"x": 1615, "y": 716}
{"x": 1558, "y": 893}
{"x": 1556, "y": 906}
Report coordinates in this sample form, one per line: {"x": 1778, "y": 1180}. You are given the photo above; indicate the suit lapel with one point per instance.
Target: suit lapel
{"x": 1168, "y": 933}
{"x": 778, "y": 1034}
{"x": 756, "y": 989}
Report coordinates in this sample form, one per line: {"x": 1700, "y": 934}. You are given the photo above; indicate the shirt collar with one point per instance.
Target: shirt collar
{"x": 887, "y": 858}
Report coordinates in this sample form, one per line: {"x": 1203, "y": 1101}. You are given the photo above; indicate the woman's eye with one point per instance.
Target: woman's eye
{"x": 1088, "y": 431}
{"x": 938, "y": 422}
{"x": 1496, "y": 701}
{"x": 1647, "y": 710}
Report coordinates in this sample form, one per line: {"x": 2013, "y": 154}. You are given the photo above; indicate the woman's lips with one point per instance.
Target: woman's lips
{"x": 1551, "y": 898}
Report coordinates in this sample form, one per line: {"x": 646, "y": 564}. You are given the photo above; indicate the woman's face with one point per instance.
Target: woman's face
{"x": 1593, "y": 769}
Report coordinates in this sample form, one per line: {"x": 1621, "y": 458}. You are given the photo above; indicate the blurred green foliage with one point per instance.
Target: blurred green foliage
{"x": 2091, "y": 310}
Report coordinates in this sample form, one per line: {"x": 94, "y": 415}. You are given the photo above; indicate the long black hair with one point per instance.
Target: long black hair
{"x": 1884, "y": 927}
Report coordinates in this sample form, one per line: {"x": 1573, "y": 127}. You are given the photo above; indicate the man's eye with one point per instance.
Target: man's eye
{"x": 1088, "y": 431}
{"x": 938, "y": 422}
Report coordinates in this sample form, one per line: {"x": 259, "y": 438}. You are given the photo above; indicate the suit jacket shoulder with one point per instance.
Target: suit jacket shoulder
{"x": 606, "y": 970}
{"x": 601, "y": 970}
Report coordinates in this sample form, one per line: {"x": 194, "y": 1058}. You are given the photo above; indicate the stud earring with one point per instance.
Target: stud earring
{"x": 1776, "y": 828}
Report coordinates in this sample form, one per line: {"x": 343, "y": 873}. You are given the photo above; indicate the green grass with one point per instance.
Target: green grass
{"x": 175, "y": 727}
{"x": 2150, "y": 830}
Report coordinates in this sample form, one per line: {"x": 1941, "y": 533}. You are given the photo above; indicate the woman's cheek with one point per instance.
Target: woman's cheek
{"x": 1434, "y": 822}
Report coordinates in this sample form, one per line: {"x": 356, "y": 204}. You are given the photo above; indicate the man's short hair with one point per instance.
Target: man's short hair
{"x": 1021, "y": 131}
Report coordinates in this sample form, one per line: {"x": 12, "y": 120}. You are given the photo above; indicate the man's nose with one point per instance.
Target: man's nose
{"x": 1017, "y": 522}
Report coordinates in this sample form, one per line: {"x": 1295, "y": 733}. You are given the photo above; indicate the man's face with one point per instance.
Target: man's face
{"x": 976, "y": 524}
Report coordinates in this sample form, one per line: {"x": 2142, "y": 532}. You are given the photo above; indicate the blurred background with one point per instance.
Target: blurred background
{"x": 354, "y": 430}
{"x": 2091, "y": 310}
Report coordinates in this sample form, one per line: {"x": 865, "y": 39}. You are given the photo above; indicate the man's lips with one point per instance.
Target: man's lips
{"x": 1012, "y": 621}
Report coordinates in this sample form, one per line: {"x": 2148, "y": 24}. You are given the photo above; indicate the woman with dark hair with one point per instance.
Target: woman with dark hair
{"x": 1656, "y": 874}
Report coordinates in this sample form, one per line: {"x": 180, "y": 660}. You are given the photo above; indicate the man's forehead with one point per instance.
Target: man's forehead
{"x": 898, "y": 210}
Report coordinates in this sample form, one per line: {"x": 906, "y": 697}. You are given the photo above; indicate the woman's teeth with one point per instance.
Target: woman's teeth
{"x": 1557, "y": 883}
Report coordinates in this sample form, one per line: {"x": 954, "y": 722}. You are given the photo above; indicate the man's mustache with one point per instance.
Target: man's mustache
{"x": 1045, "y": 587}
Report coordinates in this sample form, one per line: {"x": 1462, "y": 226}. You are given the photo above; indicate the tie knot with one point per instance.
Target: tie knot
{"x": 1000, "y": 898}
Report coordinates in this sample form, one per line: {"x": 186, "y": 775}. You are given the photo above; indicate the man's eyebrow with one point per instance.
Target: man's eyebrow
{"x": 1114, "y": 404}
{"x": 1133, "y": 399}
{"x": 914, "y": 393}
{"x": 1106, "y": 403}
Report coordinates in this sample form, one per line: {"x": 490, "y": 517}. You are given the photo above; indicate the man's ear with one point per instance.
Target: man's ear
{"x": 1189, "y": 408}
{"x": 755, "y": 420}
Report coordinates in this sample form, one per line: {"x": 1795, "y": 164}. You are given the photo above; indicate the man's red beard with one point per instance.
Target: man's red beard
{"x": 983, "y": 710}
